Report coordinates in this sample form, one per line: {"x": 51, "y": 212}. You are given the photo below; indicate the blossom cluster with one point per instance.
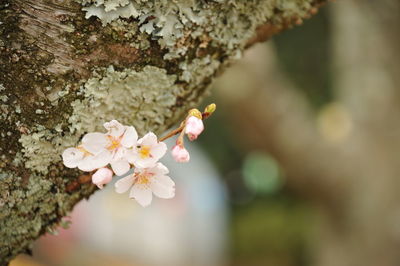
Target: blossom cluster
{"x": 119, "y": 149}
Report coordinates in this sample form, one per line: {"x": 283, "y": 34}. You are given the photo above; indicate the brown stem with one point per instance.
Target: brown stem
{"x": 173, "y": 132}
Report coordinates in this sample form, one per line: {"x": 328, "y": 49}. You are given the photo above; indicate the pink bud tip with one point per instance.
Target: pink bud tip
{"x": 180, "y": 154}
{"x": 194, "y": 126}
{"x": 102, "y": 176}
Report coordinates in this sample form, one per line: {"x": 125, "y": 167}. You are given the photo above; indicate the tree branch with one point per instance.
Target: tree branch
{"x": 62, "y": 75}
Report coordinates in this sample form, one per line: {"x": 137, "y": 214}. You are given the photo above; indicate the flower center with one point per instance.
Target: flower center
{"x": 144, "y": 152}
{"x": 143, "y": 179}
{"x": 114, "y": 143}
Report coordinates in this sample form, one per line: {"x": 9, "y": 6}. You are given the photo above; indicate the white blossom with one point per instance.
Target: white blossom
{"x": 145, "y": 182}
{"x": 113, "y": 144}
{"x": 148, "y": 152}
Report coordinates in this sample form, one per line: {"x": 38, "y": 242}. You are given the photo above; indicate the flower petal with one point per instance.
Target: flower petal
{"x": 149, "y": 139}
{"x": 72, "y": 157}
{"x": 131, "y": 155}
{"x": 95, "y": 142}
{"x": 159, "y": 169}
{"x": 90, "y": 163}
{"x": 120, "y": 167}
{"x": 87, "y": 164}
{"x": 142, "y": 194}
{"x": 130, "y": 137}
{"x": 161, "y": 191}
{"x": 119, "y": 153}
{"x": 124, "y": 184}
{"x": 158, "y": 150}
{"x": 145, "y": 163}
{"x": 114, "y": 128}
{"x": 165, "y": 180}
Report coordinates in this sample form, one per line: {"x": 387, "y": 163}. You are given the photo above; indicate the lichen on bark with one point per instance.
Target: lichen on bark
{"x": 62, "y": 75}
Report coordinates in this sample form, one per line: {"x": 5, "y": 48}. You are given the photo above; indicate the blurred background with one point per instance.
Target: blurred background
{"x": 300, "y": 165}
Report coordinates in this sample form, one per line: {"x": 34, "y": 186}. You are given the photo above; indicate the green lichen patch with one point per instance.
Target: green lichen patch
{"x": 145, "y": 99}
{"x": 38, "y": 205}
{"x": 44, "y": 147}
{"x": 229, "y": 23}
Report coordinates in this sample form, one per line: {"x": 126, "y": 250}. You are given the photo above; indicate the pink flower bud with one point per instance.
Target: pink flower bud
{"x": 194, "y": 126}
{"x": 180, "y": 154}
{"x": 102, "y": 176}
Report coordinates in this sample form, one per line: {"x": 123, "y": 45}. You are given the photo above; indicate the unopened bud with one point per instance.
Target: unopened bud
{"x": 180, "y": 154}
{"x": 102, "y": 176}
{"x": 210, "y": 108}
{"x": 194, "y": 126}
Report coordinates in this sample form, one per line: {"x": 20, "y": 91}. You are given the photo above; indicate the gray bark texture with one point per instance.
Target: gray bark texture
{"x": 68, "y": 66}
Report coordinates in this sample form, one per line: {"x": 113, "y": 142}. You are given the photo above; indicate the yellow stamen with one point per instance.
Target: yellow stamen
{"x": 144, "y": 152}
{"x": 85, "y": 152}
{"x": 115, "y": 143}
{"x": 143, "y": 179}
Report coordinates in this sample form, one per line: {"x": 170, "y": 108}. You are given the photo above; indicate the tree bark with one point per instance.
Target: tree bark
{"x": 63, "y": 73}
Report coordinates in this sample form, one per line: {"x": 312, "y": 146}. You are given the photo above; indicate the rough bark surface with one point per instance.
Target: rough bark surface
{"x": 62, "y": 75}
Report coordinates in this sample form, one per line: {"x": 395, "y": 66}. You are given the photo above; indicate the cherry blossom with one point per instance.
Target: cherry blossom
{"x": 113, "y": 144}
{"x": 102, "y": 176}
{"x": 148, "y": 152}
{"x": 180, "y": 154}
{"x": 194, "y": 126}
{"x": 145, "y": 182}
{"x": 120, "y": 148}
